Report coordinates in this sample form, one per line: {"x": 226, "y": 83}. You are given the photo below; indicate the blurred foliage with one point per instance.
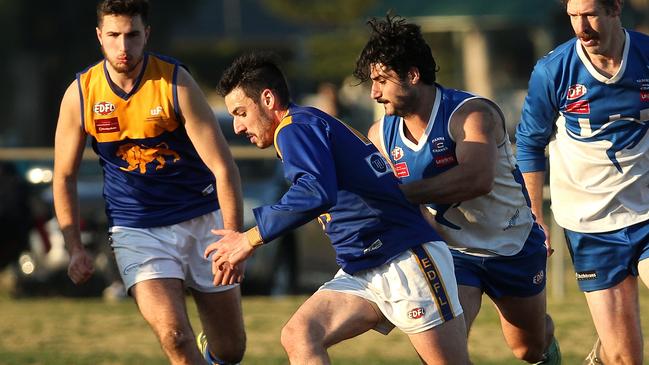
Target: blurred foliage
{"x": 327, "y": 13}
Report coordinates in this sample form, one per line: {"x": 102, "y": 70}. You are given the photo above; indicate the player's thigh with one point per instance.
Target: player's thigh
{"x": 643, "y": 269}
{"x": 616, "y": 314}
{"x": 328, "y": 317}
{"x": 523, "y": 319}
{"x": 162, "y": 304}
{"x": 221, "y": 317}
{"x": 471, "y": 300}
{"x": 443, "y": 344}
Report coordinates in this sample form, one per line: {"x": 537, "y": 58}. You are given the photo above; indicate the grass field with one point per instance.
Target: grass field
{"x": 63, "y": 331}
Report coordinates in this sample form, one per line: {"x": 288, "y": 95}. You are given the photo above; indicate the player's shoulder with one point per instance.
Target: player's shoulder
{"x": 558, "y": 55}
{"x": 639, "y": 40}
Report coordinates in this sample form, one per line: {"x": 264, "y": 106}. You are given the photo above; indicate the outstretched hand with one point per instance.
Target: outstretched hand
{"x": 228, "y": 256}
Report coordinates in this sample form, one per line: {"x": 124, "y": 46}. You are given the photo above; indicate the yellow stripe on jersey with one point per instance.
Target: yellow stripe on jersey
{"x": 146, "y": 113}
{"x": 285, "y": 121}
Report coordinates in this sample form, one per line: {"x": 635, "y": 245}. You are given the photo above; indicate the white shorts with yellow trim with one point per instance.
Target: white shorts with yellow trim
{"x": 415, "y": 292}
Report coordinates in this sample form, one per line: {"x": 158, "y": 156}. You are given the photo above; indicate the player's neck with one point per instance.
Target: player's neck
{"x": 124, "y": 80}
{"x": 417, "y": 121}
{"x": 608, "y": 62}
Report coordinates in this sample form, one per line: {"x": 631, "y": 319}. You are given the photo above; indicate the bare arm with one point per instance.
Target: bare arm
{"x": 476, "y": 128}
{"x": 205, "y": 133}
{"x": 534, "y": 182}
{"x": 68, "y": 148}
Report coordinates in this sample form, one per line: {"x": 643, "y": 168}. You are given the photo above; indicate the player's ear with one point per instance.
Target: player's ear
{"x": 268, "y": 99}
{"x": 413, "y": 75}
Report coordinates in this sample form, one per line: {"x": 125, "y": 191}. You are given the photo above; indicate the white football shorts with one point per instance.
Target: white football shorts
{"x": 174, "y": 251}
{"x": 415, "y": 292}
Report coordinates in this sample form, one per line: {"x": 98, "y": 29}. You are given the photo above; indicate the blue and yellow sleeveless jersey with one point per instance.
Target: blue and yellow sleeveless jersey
{"x": 153, "y": 176}
{"x": 596, "y": 129}
{"x": 337, "y": 175}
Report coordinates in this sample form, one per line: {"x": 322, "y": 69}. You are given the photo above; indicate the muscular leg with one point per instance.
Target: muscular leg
{"x": 528, "y": 330}
{"x": 616, "y": 314}
{"x": 222, "y": 321}
{"x": 162, "y": 304}
{"x": 444, "y": 344}
{"x": 471, "y": 300}
{"x": 326, "y": 318}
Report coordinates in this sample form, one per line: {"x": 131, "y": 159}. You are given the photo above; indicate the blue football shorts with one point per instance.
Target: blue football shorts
{"x": 603, "y": 260}
{"x": 519, "y": 275}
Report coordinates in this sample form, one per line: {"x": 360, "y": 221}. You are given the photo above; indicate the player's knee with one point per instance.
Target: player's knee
{"x": 296, "y": 337}
{"x": 175, "y": 340}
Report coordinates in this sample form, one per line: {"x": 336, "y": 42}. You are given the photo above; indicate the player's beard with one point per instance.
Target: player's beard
{"x": 121, "y": 67}
{"x": 405, "y": 104}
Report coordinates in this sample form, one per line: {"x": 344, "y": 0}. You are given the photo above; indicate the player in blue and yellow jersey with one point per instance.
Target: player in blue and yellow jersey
{"x": 395, "y": 270}
{"x": 451, "y": 151}
{"x": 588, "y": 100}
{"x": 169, "y": 179}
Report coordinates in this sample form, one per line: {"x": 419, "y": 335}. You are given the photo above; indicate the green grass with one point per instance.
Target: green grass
{"x": 63, "y": 331}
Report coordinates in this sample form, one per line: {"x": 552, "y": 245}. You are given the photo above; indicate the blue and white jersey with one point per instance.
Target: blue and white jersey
{"x": 339, "y": 177}
{"x": 496, "y": 223}
{"x": 596, "y": 129}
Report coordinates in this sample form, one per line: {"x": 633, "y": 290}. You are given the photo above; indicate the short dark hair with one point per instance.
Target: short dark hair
{"x": 608, "y": 5}
{"x": 123, "y": 7}
{"x": 399, "y": 46}
{"x": 254, "y": 72}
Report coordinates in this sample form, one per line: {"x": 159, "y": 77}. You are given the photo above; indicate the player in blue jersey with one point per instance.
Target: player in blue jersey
{"x": 165, "y": 162}
{"x": 588, "y": 100}
{"x": 395, "y": 270}
{"x": 451, "y": 151}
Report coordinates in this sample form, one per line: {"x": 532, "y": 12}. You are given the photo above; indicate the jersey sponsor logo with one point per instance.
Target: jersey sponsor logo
{"x": 444, "y": 160}
{"x": 156, "y": 111}
{"x": 576, "y": 91}
{"x": 538, "y": 278}
{"x": 374, "y": 246}
{"x": 578, "y": 107}
{"x": 109, "y": 125}
{"x": 397, "y": 153}
{"x": 416, "y": 313}
{"x": 439, "y": 145}
{"x": 103, "y": 108}
{"x": 324, "y": 219}
{"x": 644, "y": 96}
{"x": 139, "y": 157}
{"x": 378, "y": 164}
{"x": 402, "y": 169}
{"x": 586, "y": 275}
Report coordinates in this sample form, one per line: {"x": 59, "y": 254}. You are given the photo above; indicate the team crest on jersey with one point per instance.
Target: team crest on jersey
{"x": 576, "y": 91}
{"x": 397, "y": 153}
{"x": 378, "y": 164}
{"x": 138, "y": 157}
{"x": 401, "y": 169}
{"x": 103, "y": 108}
{"x": 579, "y": 107}
{"x": 439, "y": 145}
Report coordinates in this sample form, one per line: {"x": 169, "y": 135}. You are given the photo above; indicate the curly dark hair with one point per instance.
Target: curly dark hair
{"x": 123, "y": 7}
{"x": 608, "y": 5}
{"x": 398, "y": 46}
{"x": 254, "y": 72}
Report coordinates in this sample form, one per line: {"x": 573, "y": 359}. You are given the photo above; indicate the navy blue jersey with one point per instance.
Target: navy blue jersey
{"x": 339, "y": 177}
{"x": 596, "y": 128}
